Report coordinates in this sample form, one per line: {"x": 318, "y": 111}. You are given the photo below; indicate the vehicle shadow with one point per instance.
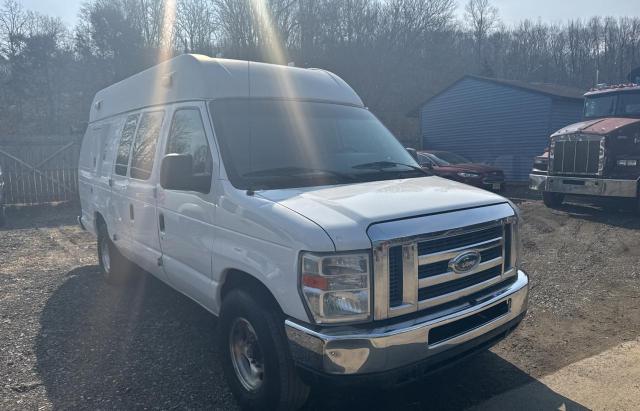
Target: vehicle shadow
{"x": 613, "y": 212}
{"x": 467, "y": 385}
{"x": 147, "y": 346}
{"x": 142, "y": 345}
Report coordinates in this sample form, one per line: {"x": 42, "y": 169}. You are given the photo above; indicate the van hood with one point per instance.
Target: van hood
{"x": 345, "y": 212}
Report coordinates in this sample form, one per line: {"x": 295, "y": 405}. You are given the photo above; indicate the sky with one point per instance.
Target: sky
{"x": 511, "y": 11}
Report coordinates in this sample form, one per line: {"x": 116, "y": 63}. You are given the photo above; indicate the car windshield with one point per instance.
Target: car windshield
{"x": 445, "y": 158}
{"x": 268, "y": 144}
{"x": 617, "y": 104}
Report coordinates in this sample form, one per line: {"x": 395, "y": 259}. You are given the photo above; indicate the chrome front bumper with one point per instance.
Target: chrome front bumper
{"x": 584, "y": 186}
{"x": 356, "y": 351}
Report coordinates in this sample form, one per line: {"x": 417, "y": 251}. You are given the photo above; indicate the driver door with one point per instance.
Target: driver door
{"x": 185, "y": 217}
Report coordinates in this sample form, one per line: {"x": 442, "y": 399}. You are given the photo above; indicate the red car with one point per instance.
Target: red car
{"x": 458, "y": 168}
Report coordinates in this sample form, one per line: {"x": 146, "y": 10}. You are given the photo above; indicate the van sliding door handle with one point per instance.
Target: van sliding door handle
{"x": 131, "y": 216}
{"x": 161, "y": 222}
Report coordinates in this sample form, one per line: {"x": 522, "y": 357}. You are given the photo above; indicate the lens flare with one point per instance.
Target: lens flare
{"x": 274, "y": 51}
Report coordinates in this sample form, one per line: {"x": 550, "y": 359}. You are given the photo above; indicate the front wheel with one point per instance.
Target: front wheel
{"x": 552, "y": 199}
{"x": 255, "y": 355}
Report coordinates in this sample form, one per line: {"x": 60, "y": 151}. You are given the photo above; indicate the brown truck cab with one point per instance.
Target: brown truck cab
{"x": 599, "y": 156}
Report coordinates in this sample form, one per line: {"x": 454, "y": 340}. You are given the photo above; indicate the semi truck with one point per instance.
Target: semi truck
{"x": 597, "y": 157}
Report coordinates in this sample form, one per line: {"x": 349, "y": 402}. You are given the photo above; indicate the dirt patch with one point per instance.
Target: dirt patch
{"x": 584, "y": 264}
{"x": 70, "y": 341}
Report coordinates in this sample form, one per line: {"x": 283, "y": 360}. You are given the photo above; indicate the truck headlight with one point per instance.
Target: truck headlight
{"x": 336, "y": 287}
{"x": 541, "y": 163}
{"x": 469, "y": 175}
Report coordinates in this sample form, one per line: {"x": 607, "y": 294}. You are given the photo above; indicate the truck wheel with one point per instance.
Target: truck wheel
{"x": 114, "y": 266}
{"x": 552, "y": 199}
{"x": 255, "y": 355}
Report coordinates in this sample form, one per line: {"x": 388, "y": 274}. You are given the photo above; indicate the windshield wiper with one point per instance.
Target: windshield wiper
{"x": 295, "y": 172}
{"x": 382, "y": 165}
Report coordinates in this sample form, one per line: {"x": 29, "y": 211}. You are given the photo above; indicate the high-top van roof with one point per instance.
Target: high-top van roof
{"x": 198, "y": 77}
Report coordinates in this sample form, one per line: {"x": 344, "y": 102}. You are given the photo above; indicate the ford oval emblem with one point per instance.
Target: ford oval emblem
{"x": 465, "y": 262}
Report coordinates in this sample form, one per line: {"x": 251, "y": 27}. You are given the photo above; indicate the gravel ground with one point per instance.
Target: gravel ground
{"x": 70, "y": 342}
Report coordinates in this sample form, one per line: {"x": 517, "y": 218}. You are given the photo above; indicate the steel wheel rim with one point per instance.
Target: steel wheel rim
{"x": 105, "y": 257}
{"x": 246, "y": 354}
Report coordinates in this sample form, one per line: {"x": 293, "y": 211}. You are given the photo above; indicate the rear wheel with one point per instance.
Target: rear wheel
{"x": 552, "y": 199}
{"x": 255, "y": 355}
{"x": 114, "y": 266}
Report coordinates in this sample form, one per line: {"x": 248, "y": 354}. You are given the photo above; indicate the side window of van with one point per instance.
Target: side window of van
{"x": 187, "y": 136}
{"x": 144, "y": 147}
{"x": 124, "y": 148}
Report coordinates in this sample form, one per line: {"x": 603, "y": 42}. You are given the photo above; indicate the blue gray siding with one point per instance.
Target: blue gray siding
{"x": 564, "y": 113}
{"x": 493, "y": 123}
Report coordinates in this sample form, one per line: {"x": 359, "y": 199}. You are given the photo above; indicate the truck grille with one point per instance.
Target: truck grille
{"x": 579, "y": 155}
{"x": 420, "y": 274}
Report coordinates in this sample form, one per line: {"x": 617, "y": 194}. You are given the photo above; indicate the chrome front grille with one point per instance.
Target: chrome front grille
{"x": 415, "y": 273}
{"x": 438, "y": 283}
{"x": 577, "y": 154}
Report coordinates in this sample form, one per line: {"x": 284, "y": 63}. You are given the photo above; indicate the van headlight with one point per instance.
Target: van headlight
{"x": 336, "y": 287}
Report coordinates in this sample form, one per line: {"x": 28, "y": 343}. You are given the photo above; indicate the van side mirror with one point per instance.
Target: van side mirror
{"x": 176, "y": 173}
{"x": 412, "y": 152}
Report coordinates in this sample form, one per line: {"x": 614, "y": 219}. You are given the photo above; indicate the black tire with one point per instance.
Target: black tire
{"x": 3, "y": 218}
{"x": 552, "y": 200}
{"x": 115, "y": 268}
{"x": 280, "y": 387}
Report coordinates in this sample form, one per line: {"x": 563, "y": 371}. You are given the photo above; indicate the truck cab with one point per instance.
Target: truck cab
{"x": 598, "y": 157}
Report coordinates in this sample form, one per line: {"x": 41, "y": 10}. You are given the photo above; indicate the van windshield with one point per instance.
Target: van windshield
{"x": 270, "y": 144}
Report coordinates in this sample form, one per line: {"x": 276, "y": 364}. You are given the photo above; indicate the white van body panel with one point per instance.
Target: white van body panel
{"x": 192, "y": 77}
{"x": 100, "y": 142}
{"x": 264, "y": 239}
{"x": 187, "y": 239}
{"x": 207, "y": 237}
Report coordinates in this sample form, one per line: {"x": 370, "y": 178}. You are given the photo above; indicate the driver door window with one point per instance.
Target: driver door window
{"x": 187, "y": 136}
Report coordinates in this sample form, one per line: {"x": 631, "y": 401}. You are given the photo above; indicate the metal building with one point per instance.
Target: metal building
{"x": 505, "y": 123}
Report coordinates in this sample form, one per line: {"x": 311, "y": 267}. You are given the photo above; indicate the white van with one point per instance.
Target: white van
{"x": 274, "y": 199}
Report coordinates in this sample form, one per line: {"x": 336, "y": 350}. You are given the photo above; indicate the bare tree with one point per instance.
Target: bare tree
{"x": 196, "y": 26}
{"x": 13, "y": 22}
{"x": 482, "y": 18}
{"x": 257, "y": 28}
{"x": 395, "y": 53}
